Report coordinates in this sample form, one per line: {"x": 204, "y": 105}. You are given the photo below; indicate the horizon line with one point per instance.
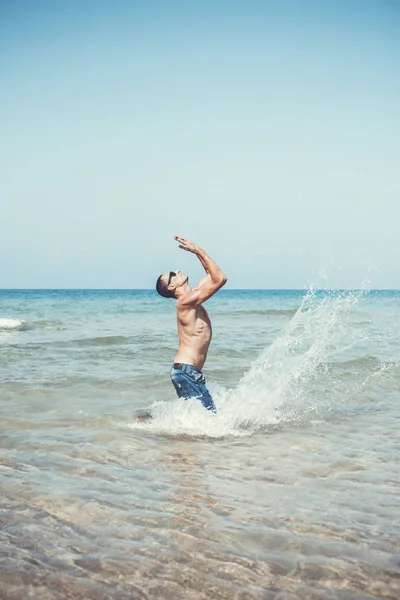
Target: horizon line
{"x": 76, "y": 289}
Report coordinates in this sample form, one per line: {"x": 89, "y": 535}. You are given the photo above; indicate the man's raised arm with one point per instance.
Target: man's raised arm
{"x": 215, "y": 278}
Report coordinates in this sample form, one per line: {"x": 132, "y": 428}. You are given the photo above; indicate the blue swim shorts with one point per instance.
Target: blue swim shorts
{"x": 190, "y": 382}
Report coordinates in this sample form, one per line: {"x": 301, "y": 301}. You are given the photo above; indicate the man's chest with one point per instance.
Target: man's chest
{"x": 197, "y": 318}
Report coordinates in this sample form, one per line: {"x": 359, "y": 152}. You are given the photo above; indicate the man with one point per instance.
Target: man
{"x": 194, "y": 325}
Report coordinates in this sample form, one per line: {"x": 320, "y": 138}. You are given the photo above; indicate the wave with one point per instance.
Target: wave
{"x": 133, "y": 340}
{"x": 272, "y": 312}
{"x": 366, "y": 361}
{"x": 52, "y": 324}
{"x": 109, "y": 340}
{"x": 12, "y": 324}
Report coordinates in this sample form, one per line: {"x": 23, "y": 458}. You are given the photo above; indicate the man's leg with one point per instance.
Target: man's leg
{"x": 206, "y": 399}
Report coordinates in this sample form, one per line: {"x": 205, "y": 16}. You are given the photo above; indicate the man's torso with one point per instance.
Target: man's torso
{"x": 194, "y": 330}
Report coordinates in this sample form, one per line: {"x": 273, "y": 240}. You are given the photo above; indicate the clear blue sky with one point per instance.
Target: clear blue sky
{"x": 268, "y": 132}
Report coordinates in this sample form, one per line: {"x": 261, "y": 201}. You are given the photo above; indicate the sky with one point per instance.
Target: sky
{"x": 265, "y": 131}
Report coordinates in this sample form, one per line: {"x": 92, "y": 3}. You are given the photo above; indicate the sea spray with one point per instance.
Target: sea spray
{"x": 281, "y": 385}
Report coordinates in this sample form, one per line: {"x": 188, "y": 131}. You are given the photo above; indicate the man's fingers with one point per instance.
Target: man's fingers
{"x": 185, "y": 244}
{"x": 182, "y": 240}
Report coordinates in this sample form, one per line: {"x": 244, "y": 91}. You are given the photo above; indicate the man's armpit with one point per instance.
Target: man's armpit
{"x": 190, "y": 299}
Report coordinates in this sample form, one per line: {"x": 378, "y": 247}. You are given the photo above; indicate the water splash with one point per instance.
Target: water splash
{"x": 289, "y": 381}
{"x": 283, "y": 382}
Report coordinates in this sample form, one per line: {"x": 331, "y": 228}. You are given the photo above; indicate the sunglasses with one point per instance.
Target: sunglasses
{"x": 171, "y": 275}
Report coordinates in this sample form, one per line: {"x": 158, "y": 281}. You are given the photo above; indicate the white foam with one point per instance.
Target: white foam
{"x": 10, "y": 323}
{"x": 187, "y": 417}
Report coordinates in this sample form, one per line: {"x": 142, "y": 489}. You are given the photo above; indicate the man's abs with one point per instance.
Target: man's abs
{"x": 194, "y": 330}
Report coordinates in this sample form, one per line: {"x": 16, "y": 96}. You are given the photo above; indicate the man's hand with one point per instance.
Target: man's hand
{"x": 214, "y": 280}
{"x": 187, "y": 245}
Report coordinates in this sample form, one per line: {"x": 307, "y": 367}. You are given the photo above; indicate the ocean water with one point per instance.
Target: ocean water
{"x": 290, "y": 491}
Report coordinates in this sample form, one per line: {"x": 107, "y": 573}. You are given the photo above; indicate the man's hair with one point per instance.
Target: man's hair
{"x": 163, "y": 290}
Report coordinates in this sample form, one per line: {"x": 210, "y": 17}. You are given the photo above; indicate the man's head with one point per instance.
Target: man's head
{"x": 168, "y": 283}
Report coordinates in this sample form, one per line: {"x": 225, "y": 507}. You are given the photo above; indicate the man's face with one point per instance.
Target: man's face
{"x": 176, "y": 278}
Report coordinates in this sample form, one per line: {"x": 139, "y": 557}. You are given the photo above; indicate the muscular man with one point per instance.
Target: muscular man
{"x": 194, "y": 325}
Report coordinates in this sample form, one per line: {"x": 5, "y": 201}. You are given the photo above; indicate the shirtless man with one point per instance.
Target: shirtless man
{"x": 194, "y": 325}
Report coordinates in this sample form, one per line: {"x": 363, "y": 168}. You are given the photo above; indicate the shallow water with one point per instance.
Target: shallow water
{"x": 290, "y": 491}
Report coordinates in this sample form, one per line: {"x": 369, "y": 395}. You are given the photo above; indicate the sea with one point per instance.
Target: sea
{"x": 291, "y": 491}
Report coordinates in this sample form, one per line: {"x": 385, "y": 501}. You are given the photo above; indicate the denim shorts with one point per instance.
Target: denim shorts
{"x": 190, "y": 382}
